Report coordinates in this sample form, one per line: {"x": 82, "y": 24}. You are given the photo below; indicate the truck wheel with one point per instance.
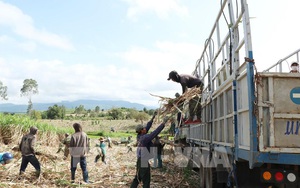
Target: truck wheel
{"x": 211, "y": 179}
{"x": 202, "y": 176}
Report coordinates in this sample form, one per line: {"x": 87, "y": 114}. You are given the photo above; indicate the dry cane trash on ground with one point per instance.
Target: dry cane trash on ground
{"x": 118, "y": 172}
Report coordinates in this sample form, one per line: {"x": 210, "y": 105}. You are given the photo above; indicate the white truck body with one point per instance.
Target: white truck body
{"x": 255, "y": 116}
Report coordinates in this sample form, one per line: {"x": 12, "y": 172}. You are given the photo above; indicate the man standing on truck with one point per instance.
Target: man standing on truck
{"x": 189, "y": 81}
{"x": 294, "y": 67}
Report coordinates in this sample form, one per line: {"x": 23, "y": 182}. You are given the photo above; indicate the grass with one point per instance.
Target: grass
{"x": 109, "y": 134}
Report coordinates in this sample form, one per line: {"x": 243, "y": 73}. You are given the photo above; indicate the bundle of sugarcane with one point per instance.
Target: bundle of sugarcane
{"x": 174, "y": 105}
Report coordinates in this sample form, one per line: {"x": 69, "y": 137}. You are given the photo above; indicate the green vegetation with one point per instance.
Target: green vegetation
{"x": 54, "y": 122}
{"x": 23, "y": 123}
{"x": 119, "y": 134}
{"x": 80, "y": 113}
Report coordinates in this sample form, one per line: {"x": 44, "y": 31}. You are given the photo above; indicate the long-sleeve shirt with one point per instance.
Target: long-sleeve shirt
{"x": 27, "y": 145}
{"x": 148, "y": 126}
{"x": 145, "y": 143}
{"x": 79, "y": 144}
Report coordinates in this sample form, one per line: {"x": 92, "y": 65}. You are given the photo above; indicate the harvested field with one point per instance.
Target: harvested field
{"x": 118, "y": 172}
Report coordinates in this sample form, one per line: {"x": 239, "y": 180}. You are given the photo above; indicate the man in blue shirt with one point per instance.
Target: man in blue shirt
{"x": 6, "y": 158}
{"x": 144, "y": 141}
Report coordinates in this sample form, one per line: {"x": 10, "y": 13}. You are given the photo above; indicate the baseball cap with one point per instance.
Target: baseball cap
{"x": 172, "y": 74}
{"x": 139, "y": 128}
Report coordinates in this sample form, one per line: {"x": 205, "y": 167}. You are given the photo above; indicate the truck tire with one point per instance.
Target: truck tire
{"x": 201, "y": 176}
{"x": 211, "y": 179}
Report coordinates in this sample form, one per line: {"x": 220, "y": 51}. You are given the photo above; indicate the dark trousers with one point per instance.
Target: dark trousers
{"x": 157, "y": 161}
{"x": 100, "y": 156}
{"x": 195, "y": 108}
{"x": 82, "y": 161}
{"x": 32, "y": 160}
{"x": 143, "y": 174}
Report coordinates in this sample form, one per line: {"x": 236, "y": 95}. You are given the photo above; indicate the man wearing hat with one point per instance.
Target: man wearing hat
{"x": 102, "y": 151}
{"x": 66, "y": 143}
{"x": 189, "y": 81}
{"x": 6, "y": 158}
{"x": 144, "y": 151}
{"x": 141, "y": 127}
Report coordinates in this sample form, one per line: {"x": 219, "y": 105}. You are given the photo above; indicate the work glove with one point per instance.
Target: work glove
{"x": 154, "y": 114}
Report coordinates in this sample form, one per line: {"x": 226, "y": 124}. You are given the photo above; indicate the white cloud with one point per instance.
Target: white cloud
{"x": 142, "y": 71}
{"x": 162, "y": 9}
{"x": 23, "y": 25}
{"x": 165, "y": 56}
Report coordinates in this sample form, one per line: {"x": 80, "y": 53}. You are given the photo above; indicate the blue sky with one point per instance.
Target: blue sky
{"x": 123, "y": 49}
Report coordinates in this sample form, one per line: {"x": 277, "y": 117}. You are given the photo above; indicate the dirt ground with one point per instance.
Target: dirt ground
{"x": 118, "y": 172}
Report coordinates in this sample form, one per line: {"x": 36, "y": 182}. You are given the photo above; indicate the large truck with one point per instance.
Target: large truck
{"x": 249, "y": 134}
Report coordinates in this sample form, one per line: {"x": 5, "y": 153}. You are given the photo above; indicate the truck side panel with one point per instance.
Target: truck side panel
{"x": 279, "y": 120}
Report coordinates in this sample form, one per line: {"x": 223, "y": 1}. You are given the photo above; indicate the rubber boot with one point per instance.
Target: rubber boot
{"x": 97, "y": 158}
{"x": 20, "y": 175}
{"x": 85, "y": 176}
{"x": 72, "y": 176}
{"x": 37, "y": 173}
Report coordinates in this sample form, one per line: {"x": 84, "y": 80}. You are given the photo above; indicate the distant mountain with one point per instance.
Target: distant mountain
{"x": 88, "y": 104}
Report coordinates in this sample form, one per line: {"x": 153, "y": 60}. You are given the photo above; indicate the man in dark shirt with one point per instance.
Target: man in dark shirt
{"x": 27, "y": 148}
{"x": 144, "y": 152}
{"x": 189, "y": 81}
{"x": 78, "y": 150}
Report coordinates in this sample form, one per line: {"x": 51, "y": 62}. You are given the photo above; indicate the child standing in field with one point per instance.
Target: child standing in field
{"x": 102, "y": 151}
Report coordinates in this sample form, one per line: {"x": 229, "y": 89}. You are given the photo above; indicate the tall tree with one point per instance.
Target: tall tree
{"x": 3, "y": 91}
{"x": 30, "y": 87}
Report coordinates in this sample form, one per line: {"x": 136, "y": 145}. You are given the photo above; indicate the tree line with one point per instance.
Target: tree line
{"x": 60, "y": 112}
{"x": 30, "y": 88}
